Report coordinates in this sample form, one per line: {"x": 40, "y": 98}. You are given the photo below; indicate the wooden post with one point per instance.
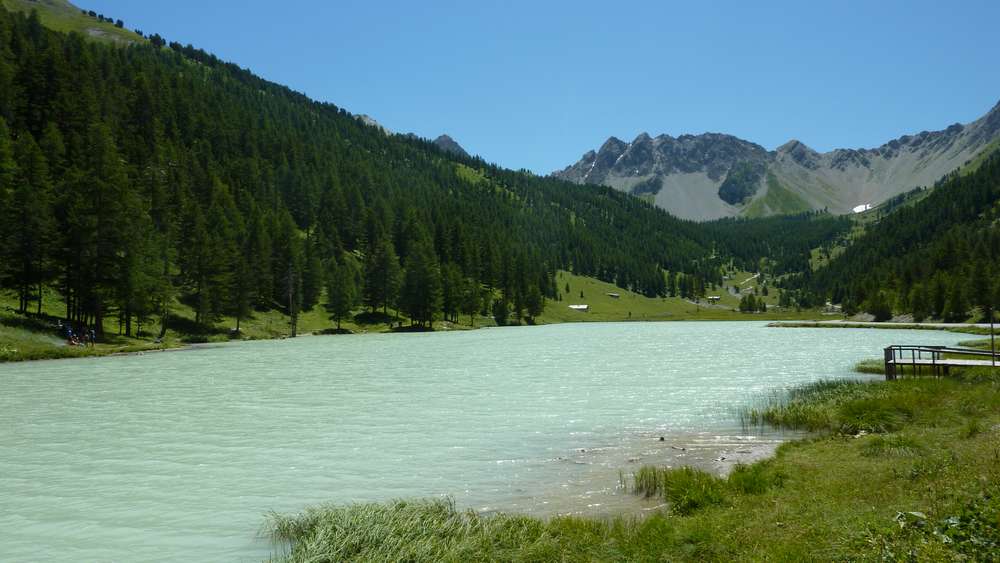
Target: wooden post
{"x": 890, "y": 366}
{"x": 993, "y": 346}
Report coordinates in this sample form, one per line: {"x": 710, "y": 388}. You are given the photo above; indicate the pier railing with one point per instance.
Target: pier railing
{"x": 937, "y": 360}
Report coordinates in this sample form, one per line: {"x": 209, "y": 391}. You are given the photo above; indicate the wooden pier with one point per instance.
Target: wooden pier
{"x": 936, "y": 361}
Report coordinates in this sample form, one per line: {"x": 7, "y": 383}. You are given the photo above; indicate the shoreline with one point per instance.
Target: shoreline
{"x": 179, "y": 345}
{"x": 598, "y": 490}
{"x": 965, "y": 328}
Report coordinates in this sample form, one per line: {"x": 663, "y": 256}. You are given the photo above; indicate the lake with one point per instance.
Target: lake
{"x": 178, "y": 455}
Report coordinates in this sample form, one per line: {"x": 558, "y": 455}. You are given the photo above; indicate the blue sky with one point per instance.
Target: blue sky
{"x": 535, "y": 84}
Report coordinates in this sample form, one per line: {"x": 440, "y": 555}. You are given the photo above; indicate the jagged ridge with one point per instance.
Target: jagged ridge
{"x": 715, "y": 175}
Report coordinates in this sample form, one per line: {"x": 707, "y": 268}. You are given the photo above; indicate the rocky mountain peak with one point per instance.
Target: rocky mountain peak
{"x": 447, "y": 144}
{"x": 800, "y": 153}
{"x": 613, "y": 145}
{"x": 370, "y": 121}
{"x": 642, "y": 138}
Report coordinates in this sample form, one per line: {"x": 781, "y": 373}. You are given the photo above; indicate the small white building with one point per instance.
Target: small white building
{"x": 863, "y": 207}
{"x": 581, "y": 308}
{"x": 614, "y": 295}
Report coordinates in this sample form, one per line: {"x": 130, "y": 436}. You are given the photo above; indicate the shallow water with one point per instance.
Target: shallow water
{"x": 177, "y": 456}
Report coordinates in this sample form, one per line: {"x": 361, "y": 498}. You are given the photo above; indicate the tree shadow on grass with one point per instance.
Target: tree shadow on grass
{"x": 376, "y": 318}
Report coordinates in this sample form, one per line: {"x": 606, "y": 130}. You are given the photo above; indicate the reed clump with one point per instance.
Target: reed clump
{"x": 688, "y": 489}
{"x": 435, "y": 530}
{"x": 813, "y": 406}
{"x": 872, "y": 366}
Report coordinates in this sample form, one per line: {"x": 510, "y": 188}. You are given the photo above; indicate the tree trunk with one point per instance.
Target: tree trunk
{"x": 163, "y": 320}
{"x": 98, "y": 323}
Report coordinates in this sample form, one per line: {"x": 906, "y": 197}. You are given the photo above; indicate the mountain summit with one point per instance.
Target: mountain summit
{"x": 713, "y": 175}
{"x": 447, "y": 144}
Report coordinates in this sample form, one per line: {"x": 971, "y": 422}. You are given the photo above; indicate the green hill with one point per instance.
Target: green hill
{"x": 61, "y": 15}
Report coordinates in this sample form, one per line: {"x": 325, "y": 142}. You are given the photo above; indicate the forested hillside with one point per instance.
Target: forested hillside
{"x": 938, "y": 257}
{"x": 136, "y": 177}
{"x": 784, "y": 242}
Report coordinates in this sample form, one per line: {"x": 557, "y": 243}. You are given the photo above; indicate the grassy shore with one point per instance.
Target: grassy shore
{"x": 34, "y": 337}
{"x": 903, "y": 470}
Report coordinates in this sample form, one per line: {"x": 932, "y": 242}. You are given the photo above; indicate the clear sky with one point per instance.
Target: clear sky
{"x": 535, "y": 84}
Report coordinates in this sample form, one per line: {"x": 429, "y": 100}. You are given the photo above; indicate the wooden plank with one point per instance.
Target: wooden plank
{"x": 947, "y": 362}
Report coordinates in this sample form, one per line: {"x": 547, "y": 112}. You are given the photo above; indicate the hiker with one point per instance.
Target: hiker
{"x": 93, "y": 338}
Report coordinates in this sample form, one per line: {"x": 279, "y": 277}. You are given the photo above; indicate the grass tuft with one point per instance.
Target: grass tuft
{"x": 686, "y": 489}
{"x": 893, "y": 445}
{"x": 756, "y": 479}
{"x": 875, "y": 414}
{"x": 972, "y": 428}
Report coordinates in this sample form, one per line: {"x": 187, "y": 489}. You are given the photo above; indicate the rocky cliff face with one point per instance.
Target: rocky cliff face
{"x": 714, "y": 175}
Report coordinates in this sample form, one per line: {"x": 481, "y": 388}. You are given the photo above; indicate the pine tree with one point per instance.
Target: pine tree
{"x": 919, "y": 302}
{"x": 259, "y": 256}
{"x": 956, "y": 307}
{"x": 534, "y": 303}
{"x": 382, "y": 276}
{"x": 29, "y": 250}
{"x": 982, "y": 288}
{"x": 340, "y": 290}
{"x": 879, "y": 307}
{"x": 312, "y": 274}
{"x": 500, "y": 312}
{"x": 471, "y": 299}
{"x": 420, "y": 297}
{"x": 451, "y": 291}
{"x": 288, "y": 269}
{"x": 939, "y": 296}
{"x": 8, "y": 226}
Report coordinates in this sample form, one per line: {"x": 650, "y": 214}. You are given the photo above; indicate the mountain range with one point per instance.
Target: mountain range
{"x": 712, "y": 175}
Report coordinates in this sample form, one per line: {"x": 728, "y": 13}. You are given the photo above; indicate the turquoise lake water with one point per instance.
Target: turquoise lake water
{"x": 178, "y": 455}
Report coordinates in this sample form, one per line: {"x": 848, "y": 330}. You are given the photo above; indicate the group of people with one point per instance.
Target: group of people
{"x": 80, "y": 337}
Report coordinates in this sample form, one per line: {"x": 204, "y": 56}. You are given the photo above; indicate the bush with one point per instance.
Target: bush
{"x": 879, "y": 307}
